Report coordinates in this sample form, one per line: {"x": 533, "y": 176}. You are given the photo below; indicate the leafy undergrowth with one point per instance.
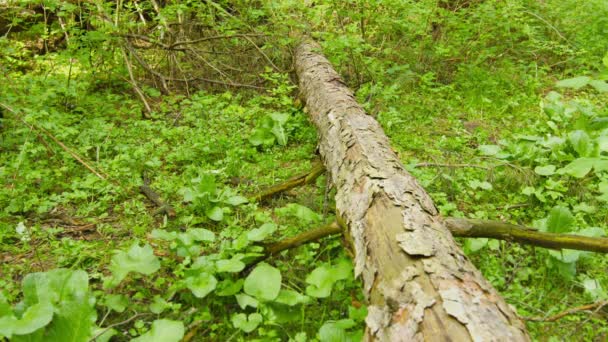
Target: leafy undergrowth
{"x": 204, "y": 155}
{"x": 475, "y": 111}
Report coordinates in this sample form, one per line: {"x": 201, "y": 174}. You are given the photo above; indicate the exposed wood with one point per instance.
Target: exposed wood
{"x": 299, "y": 180}
{"x": 418, "y": 283}
{"x": 521, "y": 234}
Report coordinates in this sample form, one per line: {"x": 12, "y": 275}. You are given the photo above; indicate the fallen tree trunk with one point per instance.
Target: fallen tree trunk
{"x": 418, "y": 283}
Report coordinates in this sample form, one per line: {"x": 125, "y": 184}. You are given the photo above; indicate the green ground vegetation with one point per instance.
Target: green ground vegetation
{"x": 497, "y": 107}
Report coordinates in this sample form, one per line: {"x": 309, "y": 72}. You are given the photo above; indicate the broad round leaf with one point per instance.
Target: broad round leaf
{"x": 546, "y": 170}
{"x": 578, "y": 168}
{"x": 560, "y": 220}
{"x": 575, "y": 82}
{"x": 202, "y": 284}
{"x": 261, "y": 233}
{"x": 215, "y": 213}
{"x": 163, "y": 330}
{"x": 264, "y": 282}
{"x": 241, "y": 321}
{"x": 231, "y": 265}
{"x": 581, "y": 142}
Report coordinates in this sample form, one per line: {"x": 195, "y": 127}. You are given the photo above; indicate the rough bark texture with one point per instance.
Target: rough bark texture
{"x": 419, "y": 285}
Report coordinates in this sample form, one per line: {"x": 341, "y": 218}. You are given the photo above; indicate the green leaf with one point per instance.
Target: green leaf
{"x": 246, "y": 300}
{"x": 201, "y": 234}
{"x": 592, "y": 232}
{"x": 578, "y": 168}
{"x": 206, "y": 184}
{"x": 321, "y": 282}
{"x": 303, "y": 213}
{"x": 201, "y": 284}
{"x": 233, "y": 265}
{"x": 67, "y": 290}
{"x": 5, "y": 307}
{"x": 137, "y": 259}
{"x": 475, "y": 184}
{"x": 163, "y": 235}
{"x": 291, "y": 298}
{"x": 248, "y": 325}
{"x": 602, "y": 142}
{"x": 106, "y": 334}
{"x": 261, "y": 233}
{"x": 599, "y": 85}
{"x": 330, "y": 332}
{"x": 488, "y": 150}
{"x": 280, "y": 118}
{"x": 546, "y": 170}
{"x": 279, "y": 133}
{"x": 236, "y": 200}
{"x": 566, "y": 256}
{"x": 575, "y": 82}
{"x": 336, "y": 331}
{"x": 261, "y": 136}
{"x": 159, "y": 304}
{"x": 116, "y": 302}
{"x": 55, "y": 286}
{"x": 594, "y": 289}
{"x": 34, "y": 318}
{"x": 581, "y": 142}
{"x": 215, "y": 213}
{"x": 229, "y": 287}
{"x": 476, "y": 244}
{"x": 560, "y": 220}
{"x": 163, "y": 330}
{"x": 322, "y": 278}
{"x": 600, "y": 164}
{"x": 264, "y": 282}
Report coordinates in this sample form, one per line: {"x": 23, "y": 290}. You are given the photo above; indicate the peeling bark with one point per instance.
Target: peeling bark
{"x": 419, "y": 284}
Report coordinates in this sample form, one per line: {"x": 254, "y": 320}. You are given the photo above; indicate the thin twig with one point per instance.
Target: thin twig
{"x": 148, "y": 111}
{"x": 62, "y": 145}
{"x": 204, "y": 39}
{"x": 263, "y": 54}
{"x": 551, "y": 26}
{"x": 451, "y": 165}
{"x": 597, "y": 306}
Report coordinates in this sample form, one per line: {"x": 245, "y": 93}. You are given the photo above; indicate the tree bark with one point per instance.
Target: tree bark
{"x": 418, "y": 283}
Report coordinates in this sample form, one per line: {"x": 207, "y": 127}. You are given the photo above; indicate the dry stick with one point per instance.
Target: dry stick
{"x": 148, "y": 111}
{"x": 204, "y": 39}
{"x": 164, "y": 78}
{"x": 299, "y": 180}
{"x": 451, "y": 165}
{"x": 482, "y": 229}
{"x": 303, "y": 238}
{"x": 263, "y": 54}
{"x": 470, "y": 227}
{"x": 521, "y": 234}
{"x": 65, "y": 148}
{"x": 597, "y": 306}
{"x": 145, "y": 65}
{"x": 155, "y": 198}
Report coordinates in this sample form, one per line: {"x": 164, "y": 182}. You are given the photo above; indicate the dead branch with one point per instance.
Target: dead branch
{"x": 299, "y": 180}
{"x": 593, "y": 306}
{"x": 505, "y": 231}
{"x": 163, "y": 208}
